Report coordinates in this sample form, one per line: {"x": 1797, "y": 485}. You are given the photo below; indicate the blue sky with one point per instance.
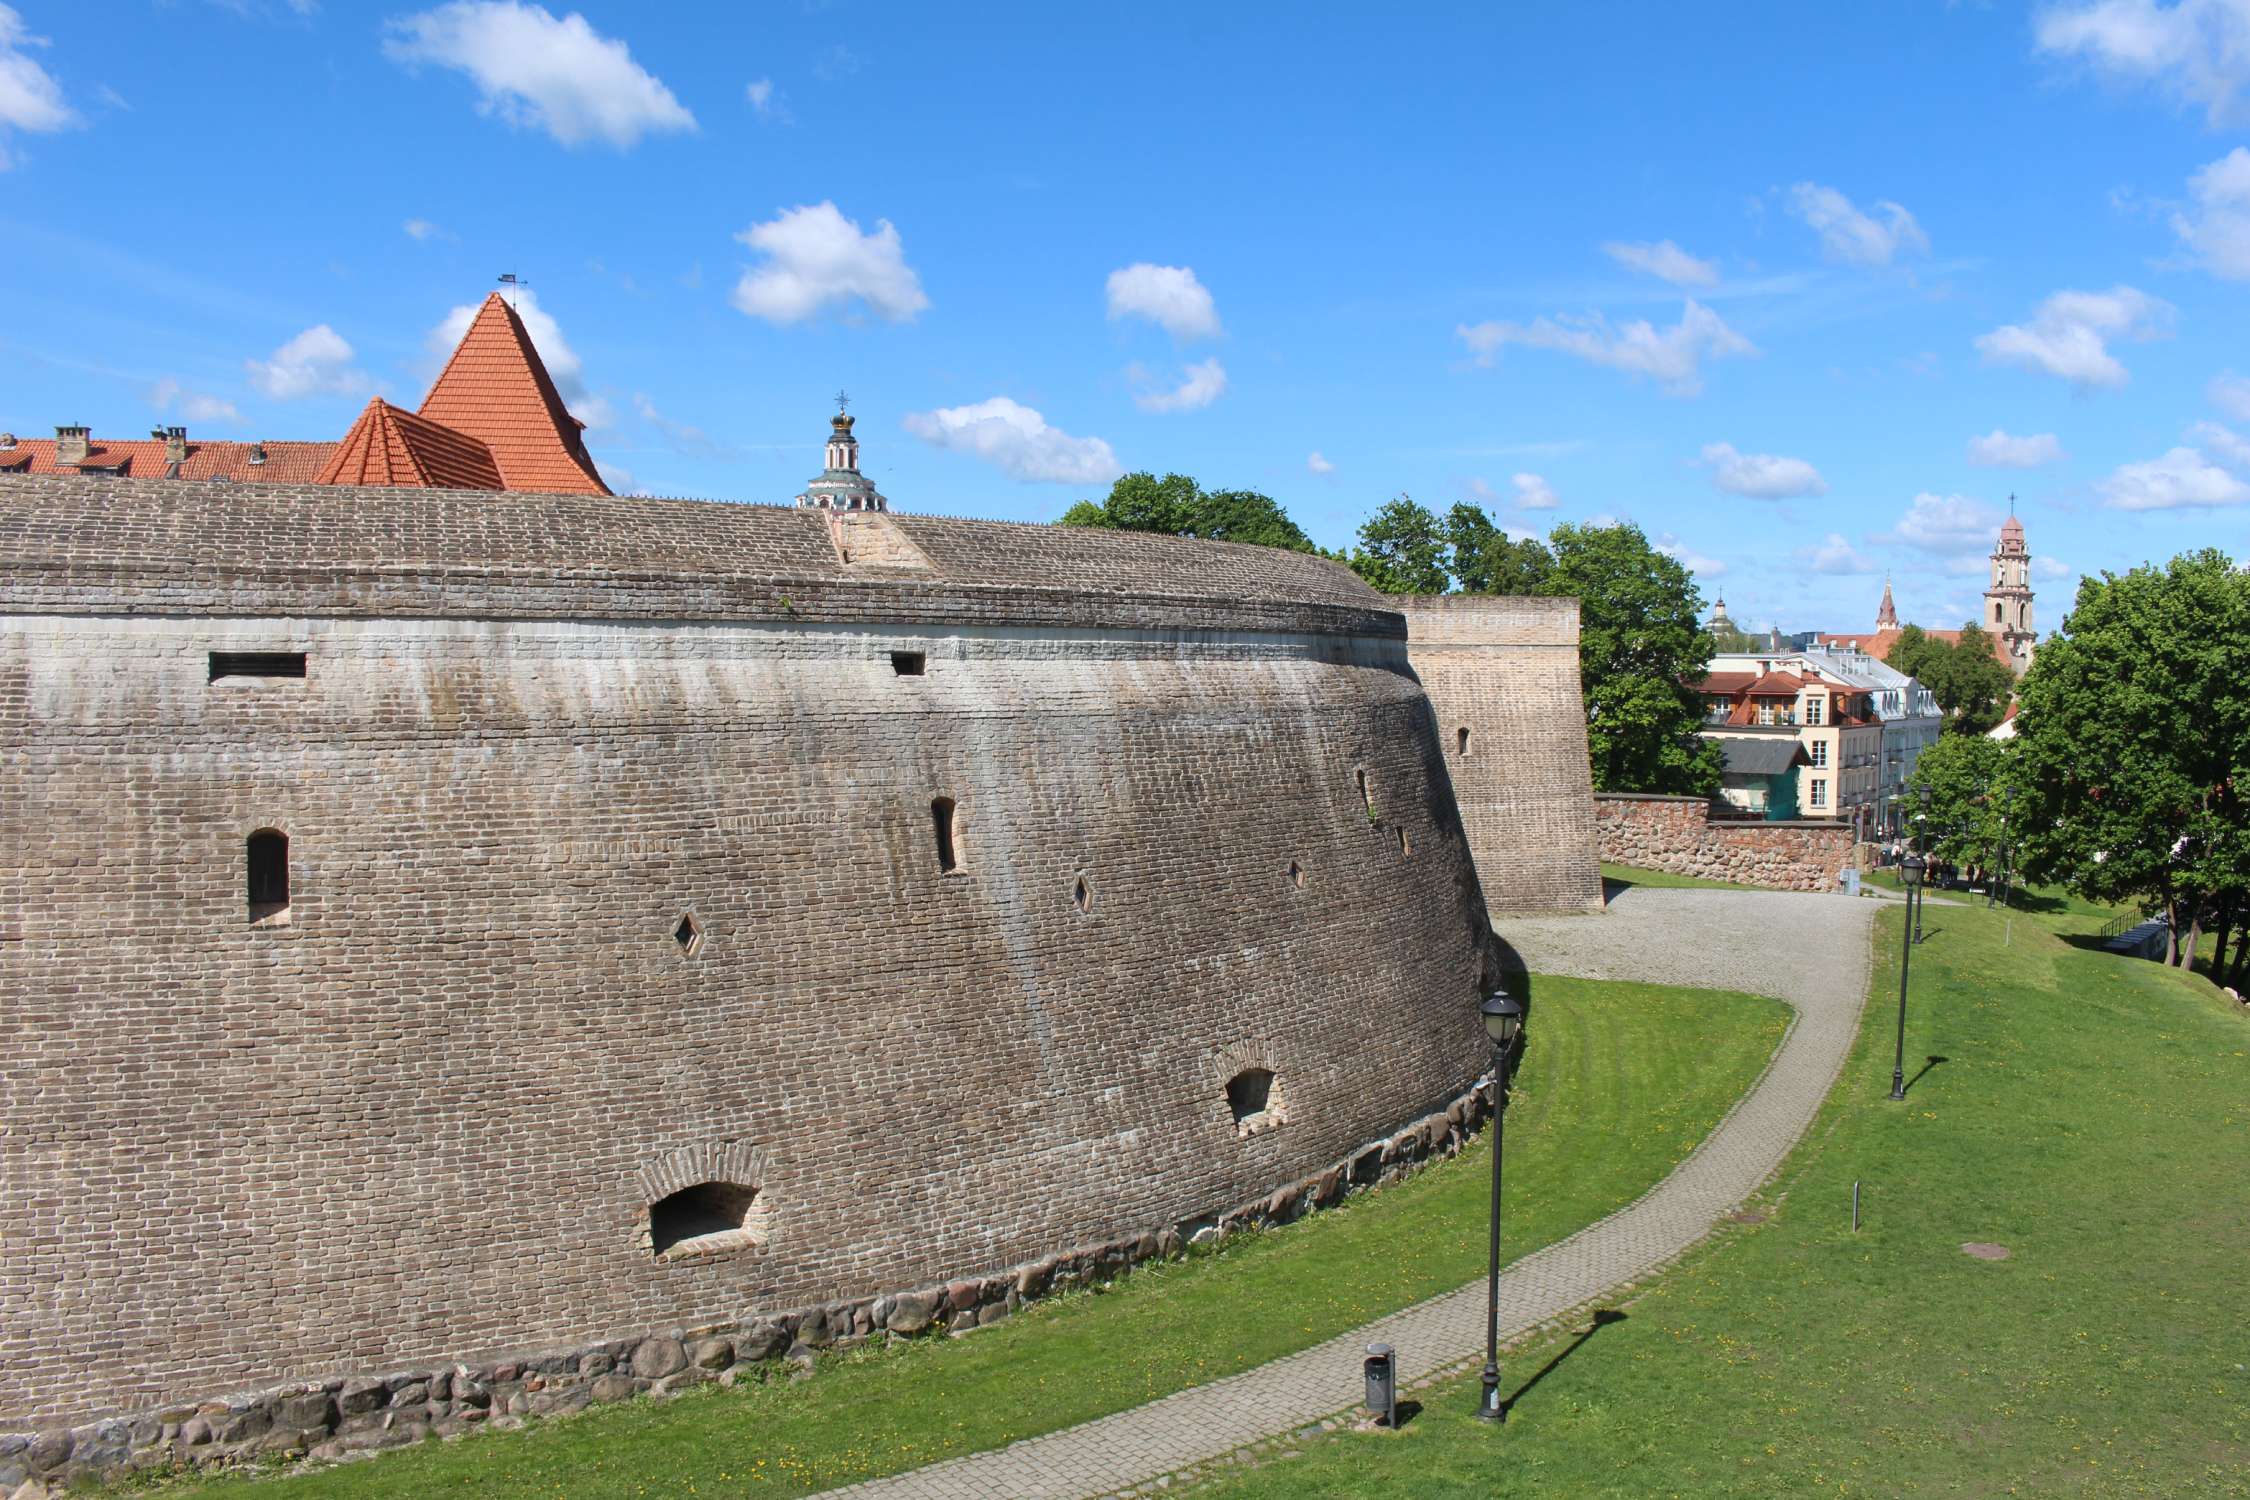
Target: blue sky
{"x": 1757, "y": 277}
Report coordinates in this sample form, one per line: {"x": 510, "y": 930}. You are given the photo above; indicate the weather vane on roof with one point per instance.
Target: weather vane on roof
{"x": 843, "y": 403}
{"x": 511, "y": 281}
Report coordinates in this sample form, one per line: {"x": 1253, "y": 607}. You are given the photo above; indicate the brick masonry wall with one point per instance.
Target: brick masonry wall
{"x": 418, "y": 1123}
{"x": 1679, "y": 836}
{"x": 1506, "y": 671}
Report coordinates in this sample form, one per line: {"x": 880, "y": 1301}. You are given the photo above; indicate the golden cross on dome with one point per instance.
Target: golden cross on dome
{"x": 843, "y": 403}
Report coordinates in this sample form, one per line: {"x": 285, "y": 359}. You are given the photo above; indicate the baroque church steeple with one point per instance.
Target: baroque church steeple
{"x": 1886, "y": 618}
{"x": 2007, "y": 602}
{"x": 840, "y": 486}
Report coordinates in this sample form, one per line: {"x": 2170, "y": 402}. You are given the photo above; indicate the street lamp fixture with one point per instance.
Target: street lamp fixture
{"x": 1503, "y": 1023}
{"x": 1911, "y": 870}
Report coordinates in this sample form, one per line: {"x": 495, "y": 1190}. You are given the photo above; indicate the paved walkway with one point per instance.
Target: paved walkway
{"x": 1811, "y": 951}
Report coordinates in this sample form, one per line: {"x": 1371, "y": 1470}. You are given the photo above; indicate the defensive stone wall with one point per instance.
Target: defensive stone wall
{"x": 1502, "y": 675}
{"x": 1679, "y": 836}
{"x": 683, "y": 924}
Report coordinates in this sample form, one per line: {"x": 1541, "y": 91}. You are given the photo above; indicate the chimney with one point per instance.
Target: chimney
{"x": 257, "y": 453}
{"x": 70, "y": 446}
{"x": 175, "y": 446}
{"x": 7, "y": 441}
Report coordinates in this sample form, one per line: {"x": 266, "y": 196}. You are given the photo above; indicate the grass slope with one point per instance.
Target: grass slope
{"x": 1632, "y": 875}
{"x": 2092, "y": 1114}
{"x": 1607, "y": 1102}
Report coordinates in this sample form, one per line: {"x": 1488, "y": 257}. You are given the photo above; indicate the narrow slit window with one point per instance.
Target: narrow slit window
{"x": 1082, "y": 896}
{"x": 1405, "y": 844}
{"x": 689, "y": 935}
{"x": 257, "y": 666}
{"x": 267, "y": 858}
{"x": 1366, "y": 792}
{"x": 909, "y": 663}
{"x": 1296, "y": 875}
{"x": 941, "y": 825}
{"x": 1461, "y": 740}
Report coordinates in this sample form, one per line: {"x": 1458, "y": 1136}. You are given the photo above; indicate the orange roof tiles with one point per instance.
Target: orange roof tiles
{"x": 285, "y": 463}
{"x": 496, "y": 390}
{"x": 391, "y": 446}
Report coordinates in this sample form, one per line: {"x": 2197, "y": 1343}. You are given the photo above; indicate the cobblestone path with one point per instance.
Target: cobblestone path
{"x": 1811, "y": 951}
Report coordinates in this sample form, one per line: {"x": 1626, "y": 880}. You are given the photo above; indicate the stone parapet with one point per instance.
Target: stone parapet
{"x": 1679, "y": 836}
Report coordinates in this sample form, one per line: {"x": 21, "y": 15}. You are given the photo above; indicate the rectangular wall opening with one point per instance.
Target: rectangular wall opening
{"x": 254, "y": 666}
{"x": 909, "y": 663}
{"x": 941, "y": 824}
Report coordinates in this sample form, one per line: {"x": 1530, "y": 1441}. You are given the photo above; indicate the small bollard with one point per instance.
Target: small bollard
{"x": 1382, "y": 1384}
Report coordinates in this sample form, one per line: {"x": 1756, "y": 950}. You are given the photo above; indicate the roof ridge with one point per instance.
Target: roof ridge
{"x": 536, "y": 444}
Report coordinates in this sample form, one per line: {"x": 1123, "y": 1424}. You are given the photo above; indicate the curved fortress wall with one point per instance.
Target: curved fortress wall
{"x": 1502, "y": 675}
{"x": 613, "y": 870}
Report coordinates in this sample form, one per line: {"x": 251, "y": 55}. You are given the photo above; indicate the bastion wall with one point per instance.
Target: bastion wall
{"x": 1502, "y": 675}
{"x": 1679, "y": 836}
{"x": 614, "y": 868}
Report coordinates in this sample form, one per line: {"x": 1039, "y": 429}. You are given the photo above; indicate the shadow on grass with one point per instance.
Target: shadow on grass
{"x": 1927, "y": 1064}
{"x": 1602, "y": 1319}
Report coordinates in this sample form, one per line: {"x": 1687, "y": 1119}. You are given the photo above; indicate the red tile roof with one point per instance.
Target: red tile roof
{"x": 285, "y": 463}
{"x": 1725, "y": 684}
{"x": 1878, "y": 643}
{"x": 1777, "y": 684}
{"x": 496, "y": 390}
{"x": 394, "y": 447}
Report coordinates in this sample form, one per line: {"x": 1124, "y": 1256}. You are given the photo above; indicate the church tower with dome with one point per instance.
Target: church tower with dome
{"x": 2007, "y": 600}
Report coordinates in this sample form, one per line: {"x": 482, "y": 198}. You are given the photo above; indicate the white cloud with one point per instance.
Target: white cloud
{"x": 1663, "y": 260}
{"x": 1835, "y": 554}
{"x": 2230, "y": 393}
{"x": 1201, "y": 384}
{"x": 1018, "y": 441}
{"x": 816, "y": 256}
{"x": 1533, "y": 492}
{"x": 30, "y": 99}
{"x": 2217, "y": 230}
{"x": 1166, "y": 295}
{"x": 1999, "y": 449}
{"x": 2181, "y": 479}
{"x": 1856, "y": 238}
{"x": 171, "y": 398}
{"x": 1687, "y": 557}
{"x": 1673, "y": 357}
{"x": 1314, "y": 463}
{"x": 2221, "y": 445}
{"x": 423, "y": 229}
{"x": 532, "y": 70}
{"x": 767, "y": 101}
{"x": 316, "y": 362}
{"x": 1761, "y": 476}
{"x": 2068, "y": 336}
{"x": 562, "y": 362}
{"x": 2197, "y": 50}
{"x": 1947, "y": 525}
{"x": 2043, "y": 566}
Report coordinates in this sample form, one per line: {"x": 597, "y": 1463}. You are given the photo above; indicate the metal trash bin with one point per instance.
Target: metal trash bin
{"x": 1382, "y": 1384}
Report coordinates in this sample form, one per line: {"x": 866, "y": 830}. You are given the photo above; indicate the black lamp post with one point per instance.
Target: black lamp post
{"x": 1912, "y": 871}
{"x": 1503, "y": 1022}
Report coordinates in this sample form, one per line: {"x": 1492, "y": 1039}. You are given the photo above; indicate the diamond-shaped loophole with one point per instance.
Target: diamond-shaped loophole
{"x": 688, "y": 935}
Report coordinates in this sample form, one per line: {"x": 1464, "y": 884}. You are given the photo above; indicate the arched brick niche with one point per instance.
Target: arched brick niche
{"x": 704, "y": 1200}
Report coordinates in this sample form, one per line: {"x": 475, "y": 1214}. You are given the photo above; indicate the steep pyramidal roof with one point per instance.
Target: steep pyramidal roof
{"x": 393, "y": 447}
{"x": 496, "y": 390}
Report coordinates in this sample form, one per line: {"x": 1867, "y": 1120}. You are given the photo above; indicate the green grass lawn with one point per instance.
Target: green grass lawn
{"x": 1630, "y": 875}
{"x": 2092, "y": 1114}
{"x": 1607, "y": 1102}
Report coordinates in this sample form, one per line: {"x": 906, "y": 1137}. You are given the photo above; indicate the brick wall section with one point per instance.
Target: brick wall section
{"x": 1679, "y": 836}
{"x": 416, "y": 1123}
{"x": 1506, "y": 670}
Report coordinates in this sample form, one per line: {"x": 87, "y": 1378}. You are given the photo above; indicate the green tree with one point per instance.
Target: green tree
{"x": 1469, "y": 534}
{"x": 1177, "y": 506}
{"x": 1967, "y": 678}
{"x": 1967, "y": 809}
{"x": 1736, "y": 640}
{"x": 1640, "y": 644}
{"x": 1402, "y": 550}
{"x": 2133, "y": 742}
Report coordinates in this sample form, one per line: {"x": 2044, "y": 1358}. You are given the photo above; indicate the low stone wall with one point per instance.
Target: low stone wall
{"x": 326, "y": 1420}
{"x": 1679, "y": 836}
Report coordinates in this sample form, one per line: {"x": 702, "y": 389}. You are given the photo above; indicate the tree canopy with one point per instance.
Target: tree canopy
{"x": 1640, "y": 642}
{"x": 1403, "y": 550}
{"x": 1177, "y": 506}
{"x": 1968, "y": 807}
{"x": 2133, "y": 743}
{"x": 1969, "y": 680}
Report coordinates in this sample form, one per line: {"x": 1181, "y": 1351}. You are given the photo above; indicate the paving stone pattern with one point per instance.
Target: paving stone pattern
{"x": 1705, "y": 939}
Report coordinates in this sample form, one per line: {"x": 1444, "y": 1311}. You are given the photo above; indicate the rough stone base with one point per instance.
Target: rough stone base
{"x": 346, "y": 1415}
{"x": 1678, "y": 836}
